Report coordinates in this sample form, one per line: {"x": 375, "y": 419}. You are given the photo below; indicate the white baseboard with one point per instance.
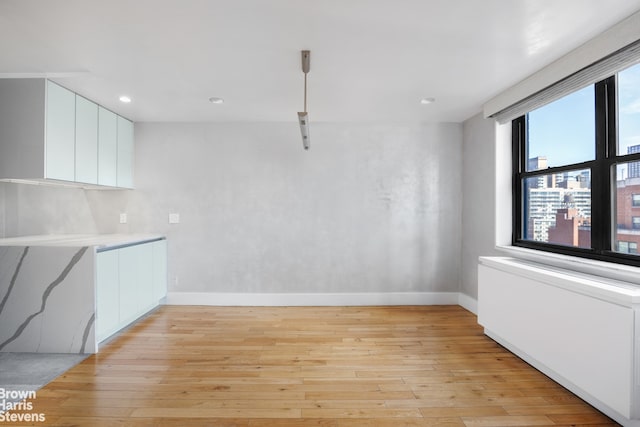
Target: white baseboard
{"x": 313, "y": 299}
{"x": 465, "y": 301}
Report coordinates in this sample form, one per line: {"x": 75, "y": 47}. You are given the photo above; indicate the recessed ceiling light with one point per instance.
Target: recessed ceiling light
{"x": 425, "y": 101}
{"x": 125, "y": 99}
{"x": 216, "y": 100}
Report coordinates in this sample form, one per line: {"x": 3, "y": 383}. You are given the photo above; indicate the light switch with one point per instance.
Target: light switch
{"x": 123, "y": 218}
{"x": 174, "y": 218}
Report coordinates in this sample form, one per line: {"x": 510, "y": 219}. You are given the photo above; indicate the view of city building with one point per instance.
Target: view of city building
{"x": 566, "y": 193}
{"x": 628, "y": 214}
{"x": 558, "y": 206}
{"x": 570, "y": 229}
{"x": 634, "y": 167}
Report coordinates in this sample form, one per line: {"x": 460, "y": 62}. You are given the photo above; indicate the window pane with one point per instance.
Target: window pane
{"x": 557, "y": 208}
{"x": 627, "y": 210}
{"x": 629, "y": 115}
{"x": 563, "y": 132}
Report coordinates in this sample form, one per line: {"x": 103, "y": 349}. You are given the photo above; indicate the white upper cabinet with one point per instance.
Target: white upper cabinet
{"x": 125, "y": 153}
{"x": 49, "y": 132}
{"x": 107, "y": 147}
{"x": 60, "y": 133}
{"x": 22, "y": 128}
{"x": 86, "y": 141}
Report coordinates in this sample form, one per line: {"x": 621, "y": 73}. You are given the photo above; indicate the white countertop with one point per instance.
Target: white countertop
{"x": 97, "y": 240}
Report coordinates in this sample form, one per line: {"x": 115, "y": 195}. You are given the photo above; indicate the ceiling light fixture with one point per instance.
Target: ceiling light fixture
{"x": 425, "y": 101}
{"x": 303, "y": 117}
{"x": 216, "y": 100}
{"x": 125, "y": 99}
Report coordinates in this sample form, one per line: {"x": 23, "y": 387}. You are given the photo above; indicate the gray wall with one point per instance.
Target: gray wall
{"x": 479, "y": 198}
{"x": 370, "y": 208}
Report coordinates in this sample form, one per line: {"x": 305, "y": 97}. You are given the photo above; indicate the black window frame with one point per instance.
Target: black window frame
{"x": 603, "y": 186}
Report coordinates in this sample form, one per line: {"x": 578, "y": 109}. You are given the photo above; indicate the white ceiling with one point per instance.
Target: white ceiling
{"x": 371, "y": 60}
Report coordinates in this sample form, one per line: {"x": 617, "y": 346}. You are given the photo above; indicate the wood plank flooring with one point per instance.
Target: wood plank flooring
{"x": 312, "y": 366}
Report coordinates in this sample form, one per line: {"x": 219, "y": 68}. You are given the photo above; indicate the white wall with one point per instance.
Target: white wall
{"x": 479, "y": 198}
{"x": 370, "y": 208}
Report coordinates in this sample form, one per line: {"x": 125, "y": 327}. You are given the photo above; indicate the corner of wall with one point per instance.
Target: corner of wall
{"x": 468, "y": 303}
{"x": 479, "y": 163}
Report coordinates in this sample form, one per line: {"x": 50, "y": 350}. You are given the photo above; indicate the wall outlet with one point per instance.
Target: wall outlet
{"x": 174, "y": 218}
{"x": 123, "y": 218}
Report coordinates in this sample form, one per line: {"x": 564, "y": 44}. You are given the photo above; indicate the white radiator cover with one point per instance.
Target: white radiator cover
{"x": 582, "y": 331}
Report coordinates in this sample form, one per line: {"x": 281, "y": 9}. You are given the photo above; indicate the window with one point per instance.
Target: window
{"x": 627, "y": 247}
{"x": 562, "y": 133}
{"x": 576, "y": 175}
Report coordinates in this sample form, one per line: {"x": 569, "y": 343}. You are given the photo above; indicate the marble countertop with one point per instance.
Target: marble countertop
{"x": 69, "y": 240}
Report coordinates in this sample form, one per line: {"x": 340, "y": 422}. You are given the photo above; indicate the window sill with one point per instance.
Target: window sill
{"x": 607, "y": 270}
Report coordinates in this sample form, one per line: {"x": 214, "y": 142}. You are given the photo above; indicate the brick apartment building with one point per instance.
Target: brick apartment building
{"x": 628, "y": 215}
{"x": 572, "y": 229}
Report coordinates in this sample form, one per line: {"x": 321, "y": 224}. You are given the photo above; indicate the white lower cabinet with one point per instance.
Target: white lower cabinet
{"x": 131, "y": 281}
{"x": 107, "y": 294}
{"x": 160, "y": 269}
{"x": 128, "y": 268}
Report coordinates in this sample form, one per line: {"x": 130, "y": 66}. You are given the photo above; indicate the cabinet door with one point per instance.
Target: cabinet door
{"x": 125, "y": 153}
{"x": 128, "y": 284}
{"x": 159, "y": 270}
{"x": 107, "y": 147}
{"x": 86, "y": 141}
{"x": 107, "y": 294}
{"x": 145, "y": 278}
{"x": 60, "y": 133}
{"x": 22, "y": 128}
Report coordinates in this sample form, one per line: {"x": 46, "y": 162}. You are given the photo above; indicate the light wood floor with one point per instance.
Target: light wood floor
{"x": 314, "y": 366}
